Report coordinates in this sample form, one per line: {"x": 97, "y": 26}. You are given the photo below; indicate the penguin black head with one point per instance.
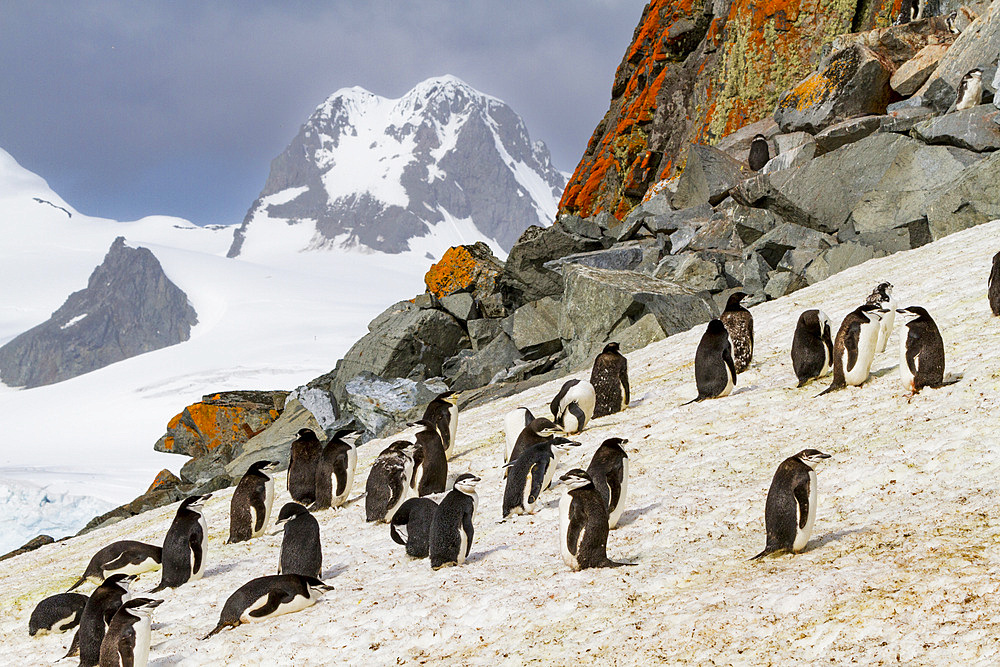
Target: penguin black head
{"x": 717, "y": 328}
{"x": 576, "y": 479}
{"x": 466, "y": 483}
{"x": 914, "y": 312}
{"x": 290, "y": 511}
{"x": 263, "y": 466}
{"x": 545, "y": 427}
{"x": 142, "y": 605}
{"x": 975, "y": 72}
{"x": 563, "y": 444}
{"x": 341, "y": 433}
{"x": 615, "y": 444}
{"x": 613, "y": 347}
{"x": 883, "y": 290}
{"x": 194, "y": 503}
{"x": 425, "y": 424}
{"x": 306, "y": 434}
{"x": 120, "y": 580}
{"x": 734, "y": 301}
{"x": 811, "y": 457}
{"x": 871, "y": 312}
{"x": 448, "y": 397}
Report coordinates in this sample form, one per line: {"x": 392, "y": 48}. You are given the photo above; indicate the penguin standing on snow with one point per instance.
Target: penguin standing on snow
{"x": 514, "y": 422}
{"x": 126, "y": 643}
{"x": 411, "y": 526}
{"x": 921, "y": 351}
{"x": 881, "y": 296}
{"x": 583, "y": 524}
{"x": 739, "y": 323}
{"x": 442, "y": 412}
{"x": 432, "y": 475}
{"x": 854, "y": 347}
{"x": 451, "y": 529}
{"x": 993, "y": 286}
{"x": 124, "y": 557}
{"x": 185, "y": 547}
{"x": 335, "y": 471}
{"x": 57, "y": 613}
{"x": 539, "y": 430}
{"x": 970, "y": 90}
{"x": 389, "y": 482}
{"x": 790, "y": 511}
{"x": 97, "y": 613}
{"x": 306, "y": 453}
{"x": 267, "y": 597}
{"x": 301, "y": 550}
{"x": 760, "y": 153}
{"x": 609, "y": 377}
{"x": 530, "y": 474}
{"x": 714, "y": 369}
{"x": 573, "y": 406}
{"x": 250, "y": 507}
{"x": 608, "y": 470}
{"x": 812, "y": 346}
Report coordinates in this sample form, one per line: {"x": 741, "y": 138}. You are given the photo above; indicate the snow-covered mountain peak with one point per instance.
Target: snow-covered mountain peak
{"x": 444, "y": 163}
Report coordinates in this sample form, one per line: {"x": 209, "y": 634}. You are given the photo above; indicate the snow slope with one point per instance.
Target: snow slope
{"x": 86, "y": 444}
{"x": 903, "y": 564}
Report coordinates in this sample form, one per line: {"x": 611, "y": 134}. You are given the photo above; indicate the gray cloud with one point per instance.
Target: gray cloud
{"x": 131, "y": 109}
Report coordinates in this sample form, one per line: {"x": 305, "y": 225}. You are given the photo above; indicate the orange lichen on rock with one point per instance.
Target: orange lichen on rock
{"x": 163, "y": 478}
{"x": 464, "y": 268}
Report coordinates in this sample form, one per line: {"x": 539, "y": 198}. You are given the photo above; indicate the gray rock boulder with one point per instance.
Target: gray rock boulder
{"x": 462, "y": 305}
{"x": 480, "y": 368}
{"x": 482, "y": 331}
{"x": 637, "y": 255}
{"x": 853, "y": 82}
{"x": 708, "y": 175}
{"x": 904, "y": 119}
{"x": 914, "y": 72}
{"x": 771, "y": 247}
{"x": 275, "y": 443}
{"x": 129, "y": 307}
{"x": 975, "y": 129}
{"x": 971, "y": 199}
{"x": 525, "y": 278}
{"x": 846, "y": 132}
{"x": 534, "y": 327}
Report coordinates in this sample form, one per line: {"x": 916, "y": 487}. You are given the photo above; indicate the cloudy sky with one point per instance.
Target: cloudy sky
{"x": 136, "y": 108}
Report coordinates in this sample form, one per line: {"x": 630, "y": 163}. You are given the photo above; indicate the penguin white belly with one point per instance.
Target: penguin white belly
{"x": 452, "y": 425}
{"x": 268, "y": 500}
{"x": 904, "y": 368}
{"x": 567, "y": 556}
{"x": 143, "y": 630}
{"x": 134, "y": 568}
{"x": 885, "y": 325}
{"x": 513, "y": 424}
{"x": 550, "y": 471}
{"x": 621, "y": 390}
{"x": 352, "y": 461}
{"x": 867, "y": 341}
{"x": 616, "y": 512}
{"x": 298, "y": 603}
{"x": 730, "y": 382}
{"x": 204, "y": 550}
{"x": 827, "y": 361}
{"x": 463, "y": 545}
{"x": 802, "y": 534}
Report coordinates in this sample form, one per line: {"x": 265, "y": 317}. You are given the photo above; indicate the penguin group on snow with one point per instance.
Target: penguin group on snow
{"x": 112, "y": 628}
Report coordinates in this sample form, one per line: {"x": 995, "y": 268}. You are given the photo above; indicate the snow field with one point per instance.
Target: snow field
{"x": 902, "y": 566}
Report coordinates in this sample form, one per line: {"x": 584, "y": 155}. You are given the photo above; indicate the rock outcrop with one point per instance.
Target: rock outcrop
{"x": 129, "y": 307}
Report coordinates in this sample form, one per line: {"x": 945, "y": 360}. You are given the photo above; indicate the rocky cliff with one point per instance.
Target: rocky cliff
{"x": 128, "y": 307}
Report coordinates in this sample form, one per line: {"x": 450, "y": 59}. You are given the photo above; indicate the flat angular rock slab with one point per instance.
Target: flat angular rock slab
{"x": 914, "y": 72}
{"x": 773, "y": 245}
{"x": 536, "y": 324}
{"x": 466, "y": 268}
{"x": 903, "y": 120}
{"x": 524, "y": 276}
{"x": 789, "y": 159}
{"x": 846, "y": 132}
{"x": 708, "y": 175}
{"x": 853, "y": 82}
{"x": 627, "y": 256}
{"x": 479, "y": 369}
{"x": 972, "y": 199}
{"x": 975, "y": 129}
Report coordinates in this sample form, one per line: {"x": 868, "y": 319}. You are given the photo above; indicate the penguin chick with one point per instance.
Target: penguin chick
{"x": 739, "y": 324}
{"x": 609, "y": 377}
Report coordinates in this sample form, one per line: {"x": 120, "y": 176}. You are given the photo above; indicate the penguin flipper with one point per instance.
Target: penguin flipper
{"x": 537, "y": 474}
{"x": 195, "y": 542}
{"x": 219, "y": 628}
{"x": 274, "y": 600}
{"x": 469, "y": 531}
{"x": 126, "y": 647}
{"x": 82, "y": 579}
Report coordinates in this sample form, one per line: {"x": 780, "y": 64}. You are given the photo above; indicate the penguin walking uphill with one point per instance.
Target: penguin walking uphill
{"x": 531, "y": 473}
{"x": 739, "y": 323}
{"x": 608, "y": 470}
{"x": 185, "y": 546}
{"x": 452, "y": 529}
{"x": 790, "y": 510}
{"x": 514, "y": 422}
{"x": 301, "y": 550}
{"x": 267, "y": 597}
{"x": 574, "y": 405}
{"x": 124, "y": 557}
{"x": 250, "y": 507}
{"x": 714, "y": 369}
{"x": 609, "y": 377}
{"x": 390, "y": 480}
{"x": 921, "y": 351}
{"x": 854, "y": 347}
{"x": 335, "y": 471}
{"x": 97, "y": 613}
{"x": 442, "y": 412}
{"x": 812, "y": 346}
{"x": 583, "y": 524}
{"x": 126, "y": 643}
{"x": 881, "y": 296}
{"x": 306, "y": 453}
{"x": 993, "y": 285}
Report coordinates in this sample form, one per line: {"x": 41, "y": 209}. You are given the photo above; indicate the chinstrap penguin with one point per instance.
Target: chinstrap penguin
{"x": 854, "y": 347}
{"x": 970, "y": 90}
{"x": 250, "y": 507}
{"x": 539, "y": 430}
{"x": 608, "y": 470}
{"x": 267, "y": 597}
{"x": 881, "y": 296}
{"x": 301, "y": 549}
{"x": 760, "y": 153}
{"x": 812, "y": 346}
{"x": 411, "y": 526}
{"x": 790, "y": 510}
{"x": 714, "y": 369}
{"x": 335, "y": 470}
{"x": 739, "y": 323}
{"x": 302, "y": 467}
{"x": 185, "y": 546}
{"x": 452, "y": 528}
{"x": 126, "y": 643}
{"x": 993, "y": 285}
{"x": 125, "y": 557}
{"x": 530, "y": 474}
{"x": 442, "y": 412}
{"x": 390, "y": 480}
{"x": 57, "y": 613}
{"x": 97, "y": 613}
{"x": 573, "y": 406}
{"x": 583, "y": 524}
{"x": 921, "y": 351}
{"x": 609, "y": 377}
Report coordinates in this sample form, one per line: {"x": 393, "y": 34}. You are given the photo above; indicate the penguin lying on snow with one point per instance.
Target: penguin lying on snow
{"x": 250, "y": 507}
{"x": 790, "y": 511}
{"x": 125, "y": 557}
{"x": 267, "y": 597}
{"x": 411, "y": 526}
{"x": 583, "y": 524}
{"x": 451, "y": 529}
{"x": 57, "y": 613}
{"x": 126, "y": 643}
{"x": 573, "y": 406}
